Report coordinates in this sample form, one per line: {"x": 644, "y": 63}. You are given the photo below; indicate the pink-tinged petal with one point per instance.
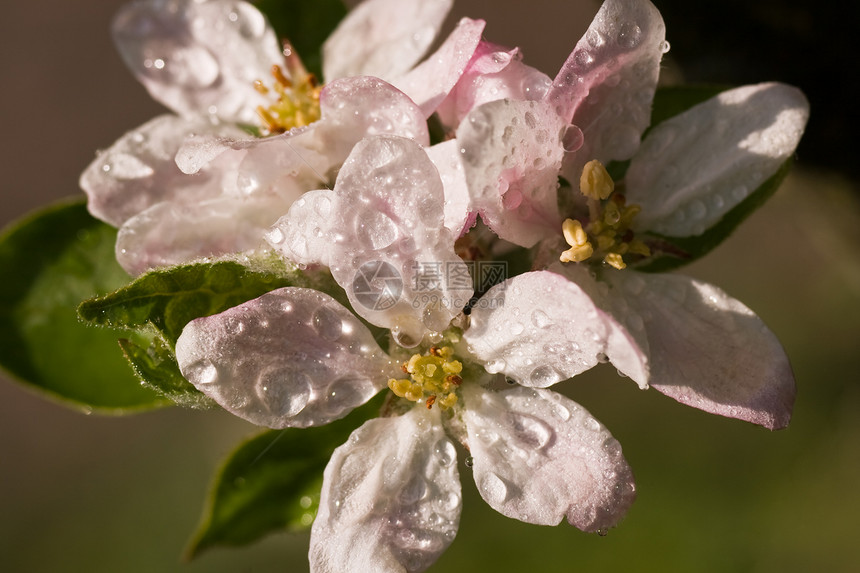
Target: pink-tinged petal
{"x": 171, "y": 233}
{"x": 540, "y": 457}
{"x": 383, "y": 38}
{"x": 359, "y": 107}
{"x": 493, "y": 73}
{"x": 138, "y": 170}
{"x": 607, "y": 84}
{"x": 198, "y": 58}
{"x": 708, "y": 350}
{"x": 540, "y": 328}
{"x": 458, "y": 212}
{"x": 431, "y": 81}
{"x": 695, "y": 167}
{"x": 511, "y": 153}
{"x": 386, "y": 242}
{"x": 293, "y": 357}
{"x": 390, "y": 501}
{"x": 296, "y": 234}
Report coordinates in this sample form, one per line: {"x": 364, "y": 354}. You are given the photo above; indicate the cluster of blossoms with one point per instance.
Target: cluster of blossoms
{"x": 341, "y": 174}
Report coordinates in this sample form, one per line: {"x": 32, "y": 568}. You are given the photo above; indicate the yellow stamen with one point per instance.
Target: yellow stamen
{"x": 595, "y": 182}
{"x": 297, "y": 93}
{"x": 608, "y": 235}
{"x": 434, "y": 378}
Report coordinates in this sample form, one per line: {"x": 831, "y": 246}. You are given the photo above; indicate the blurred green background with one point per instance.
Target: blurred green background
{"x": 85, "y": 493}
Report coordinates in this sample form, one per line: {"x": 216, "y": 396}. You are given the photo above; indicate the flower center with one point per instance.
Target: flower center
{"x": 433, "y": 378}
{"x": 607, "y": 235}
{"x": 297, "y": 96}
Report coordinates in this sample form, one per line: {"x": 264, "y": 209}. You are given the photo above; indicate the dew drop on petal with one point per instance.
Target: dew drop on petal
{"x": 544, "y": 376}
{"x": 284, "y": 392}
{"x": 445, "y": 450}
{"x": 540, "y": 319}
{"x": 206, "y": 373}
{"x": 327, "y": 324}
{"x": 572, "y": 139}
{"x": 531, "y": 432}
{"x": 630, "y": 35}
{"x": 494, "y": 489}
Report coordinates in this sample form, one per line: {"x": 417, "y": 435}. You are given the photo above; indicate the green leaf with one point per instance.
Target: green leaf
{"x": 168, "y": 299}
{"x": 679, "y": 251}
{"x": 156, "y": 366}
{"x": 306, "y": 24}
{"x": 272, "y": 482}
{"x": 50, "y": 261}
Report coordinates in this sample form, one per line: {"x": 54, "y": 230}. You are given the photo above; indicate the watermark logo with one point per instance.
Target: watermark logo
{"x": 377, "y": 285}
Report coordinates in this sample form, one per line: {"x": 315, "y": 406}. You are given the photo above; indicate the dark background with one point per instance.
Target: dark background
{"x": 94, "y": 494}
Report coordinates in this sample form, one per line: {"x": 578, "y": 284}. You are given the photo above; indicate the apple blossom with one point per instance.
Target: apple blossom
{"x": 693, "y": 342}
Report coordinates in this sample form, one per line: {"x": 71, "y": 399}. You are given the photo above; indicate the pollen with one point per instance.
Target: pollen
{"x": 296, "y": 96}
{"x": 606, "y": 235}
{"x": 433, "y": 378}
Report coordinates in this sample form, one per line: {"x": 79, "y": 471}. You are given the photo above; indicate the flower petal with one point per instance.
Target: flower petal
{"x": 172, "y": 233}
{"x": 607, "y": 84}
{"x": 493, "y": 73}
{"x": 446, "y": 157}
{"x": 511, "y": 152}
{"x": 293, "y": 357}
{"x": 695, "y": 167}
{"x": 540, "y": 328}
{"x": 138, "y": 170}
{"x": 391, "y": 498}
{"x": 431, "y": 81}
{"x": 540, "y": 457}
{"x": 708, "y": 350}
{"x": 383, "y": 38}
{"x": 359, "y": 107}
{"x": 198, "y": 58}
{"x": 386, "y": 242}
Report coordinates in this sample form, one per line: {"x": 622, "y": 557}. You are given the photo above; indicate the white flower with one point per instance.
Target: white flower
{"x": 295, "y": 357}
{"x": 204, "y": 60}
{"x": 691, "y": 340}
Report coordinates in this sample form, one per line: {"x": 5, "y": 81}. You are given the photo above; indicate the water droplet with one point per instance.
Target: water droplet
{"x": 205, "y": 373}
{"x": 540, "y": 319}
{"x": 493, "y": 489}
{"x": 127, "y": 167}
{"x": 572, "y": 139}
{"x": 696, "y": 209}
{"x": 512, "y": 199}
{"x": 630, "y": 35}
{"x": 450, "y": 502}
{"x": 602, "y": 358}
{"x": 516, "y": 328}
{"x": 665, "y": 47}
{"x": 234, "y": 326}
{"x": 469, "y": 461}
{"x": 275, "y": 236}
{"x": 561, "y": 411}
{"x": 594, "y": 38}
{"x": 327, "y": 323}
{"x": 591, "y": 424}
{"x": 739, "y": 193}
{"x": 375, "y": 230}
{"x": 345, "y": 394}
{"x": 414, "y": 491}
{"x": 532, "y": 432}
{"x": 284, "y": 392}
{"x": 495, "y": 366}
{"x": 583, "y": 59}
{"x": 544, "y": 376}
{"x": 445, "y": 450}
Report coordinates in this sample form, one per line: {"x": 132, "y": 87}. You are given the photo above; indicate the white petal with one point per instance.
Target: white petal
{"x": 493, "y": 73}
{"x": 390, "y": 500}
{"x": 708, "y": 350}
{"x": 387, "y": 245}
{"x": 303, "y": 234}
{"x": 172, "y": 233}
{"x": 138, "y": 170}
{"x": 607, "y": 84}
{"x": 540, "y": 457}
{"x": 383, "y": 38}
{"x": 355, "y": 108}
{"x": 198, "y": 58}
{"x": 541, "y": 328}
{"x": 430, "y": 82}
{"x": 293, "y": 357}
{"x": 695, "y": 167}
{"x": 512, "y": 152}
{"x": 446, "y": 157}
